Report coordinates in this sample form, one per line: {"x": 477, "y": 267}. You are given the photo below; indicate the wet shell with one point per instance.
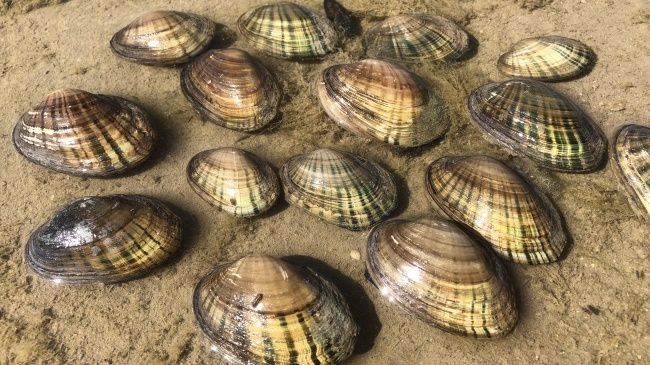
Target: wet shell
{"x": 549, "y": 58}
{"x": 262, "y": 310}
{"x": 341, "y": 188}
{"x": 289, "y": 31}
{"x": 104, "y": 239}
{"x": 232, "y": 89}
{"x": 234, "y": 181}
{"x": 433, "y": 270}
{"x": 533, "y": 119}
{"x": 483, "y": 193}
{"x": 163, "y": 38}
{"x": 416, "y": 38}
{"x": 631, "y": 155}
{"x": 80, "y": 133}
{"x": 380, "y": 100}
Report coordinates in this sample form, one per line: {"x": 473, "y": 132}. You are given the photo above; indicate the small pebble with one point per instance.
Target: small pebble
{"x": 356, "y": 255}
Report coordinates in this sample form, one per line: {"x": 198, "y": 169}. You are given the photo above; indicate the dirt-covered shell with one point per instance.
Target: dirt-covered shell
{"x": 631, "y": 155}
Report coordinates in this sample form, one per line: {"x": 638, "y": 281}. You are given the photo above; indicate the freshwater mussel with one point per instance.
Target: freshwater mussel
{"x": 520, "y": 223}
{"x": 631, "y": 155}
{"x": 435, "y": 271}
{"x": 104, "y": 239}
{"x": 263, "y": 310}
{"x": 85, "y": 134}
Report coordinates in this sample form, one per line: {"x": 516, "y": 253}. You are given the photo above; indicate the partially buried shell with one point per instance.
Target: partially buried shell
{"x": 104, "y": 239}
{"x": 262, "y": 310}
{"x": 231, "y": 88}
{"x": 289, "y": 31}
{"x": 483, "y": 193}
{"x": 531, "y": 118}
{"x": 416, "y": 38}
{"x": 631, "y": 155}
{"x": 380, "y": 100}
{"x": 234, "y": 181}
{"x": 163, "y": 38}
{"x": 549, "y": 58}
{"x": 433, "y": 270}
{"x": 342, "y": 188}
{"x": 80, "y": 133}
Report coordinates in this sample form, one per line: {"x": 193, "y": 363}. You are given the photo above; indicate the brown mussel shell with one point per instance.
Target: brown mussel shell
{"x": 631, "y": 155}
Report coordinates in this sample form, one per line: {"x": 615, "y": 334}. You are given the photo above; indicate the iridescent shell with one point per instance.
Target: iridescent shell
{"x": 234, "y": 181}
{"x": 262, "y": 310}
{"x": 163, "y": 38}
{"x": 104, "y": 240}
{"x": 341, "y": 188}
{"x": 631, "y": 155}
{"x": 483, "y": 193}
{"x": 80, "y": 133}
{"x": 232, "y": 89}
{"x": 433, "y": 270}
{"x": 531, "y": 118}
{"x": 416, "y": 38}
{"x": 549, "y": 58}
{"x": 380, "y": 100}
{"x": 289, "y": 31}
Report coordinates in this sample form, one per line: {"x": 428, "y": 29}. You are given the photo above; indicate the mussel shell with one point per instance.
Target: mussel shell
{"x": 262, "y": 310}
{"x": 416, "y": 38}
{"x": 289, "y": 31}
{"x": 341, "y": 188}
{"x": 163, "y": 38}
{"x": 433, "y": 270}
{"x": 234, "y": 181}
{"x": 104, "y": 240}
{"x": 381, "y": 100}
{"x": 549, "y": 58}
{"x": 631, "y": 155}
{"x": 531, "y": 118}
{"x": 79, "y": 133}
{"x": 231, "y": 88}
{"x": 483, "y": 193}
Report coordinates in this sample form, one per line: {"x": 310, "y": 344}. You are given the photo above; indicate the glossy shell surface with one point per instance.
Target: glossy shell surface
{"x": 533, "y": 119}
{"x": 262, "y": 310}
{"x": 631, "y": 155}
{"x": 104, "y": 240}
{"x": 381, "y": 100}
{"x": 80, "y": 133}
{"x": 234, "y": 181}
{"x": 486, "y": 195}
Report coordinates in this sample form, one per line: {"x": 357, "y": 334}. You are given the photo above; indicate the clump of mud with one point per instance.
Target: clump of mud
{"x": 533, "y": 4}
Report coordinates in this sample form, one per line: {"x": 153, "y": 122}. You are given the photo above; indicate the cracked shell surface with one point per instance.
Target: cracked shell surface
{"x": 631, "y": 155}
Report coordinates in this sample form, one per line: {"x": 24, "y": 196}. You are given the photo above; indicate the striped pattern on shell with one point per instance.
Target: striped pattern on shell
{"x": 80, "y": 133}
{"x": 289, "y": 31}
{"x": 341, "y": 188}
{"x": 531, "y": 118}
{"x": 104, "y": 240}
{"x": 380, "y": 100}
{"x": 262, "y": 310}
{"x": 163, "y": 38}
{"x": 433, "y": 270}
{"x": 234, "y": 181}
{"x": 631, "y": 155}
{"x": 483, "y": 193}
{"x": 415, "y": 38}
{"x": 549, "y": 58}
{"x": 232, "y": 89}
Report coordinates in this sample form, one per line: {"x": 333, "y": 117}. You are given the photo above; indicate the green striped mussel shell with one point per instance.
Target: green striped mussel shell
{"x": 416, "y": 38}
{"x": 548, "y": 58}
{"x": 486, "y": 195}
{"x": 288, "y": 31}
{"x": 341, "y": 188}
{"x": 383, "y": 101}
{"x": 631, "y": 155}
{"x": 531, "y": 118}
{"x": 435, "y": 271}
{"x": 84, "y": 134}
{"x": 233, "y": 180}
{"x": 262, "y": 310}
{"x": 104, "y": 239}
